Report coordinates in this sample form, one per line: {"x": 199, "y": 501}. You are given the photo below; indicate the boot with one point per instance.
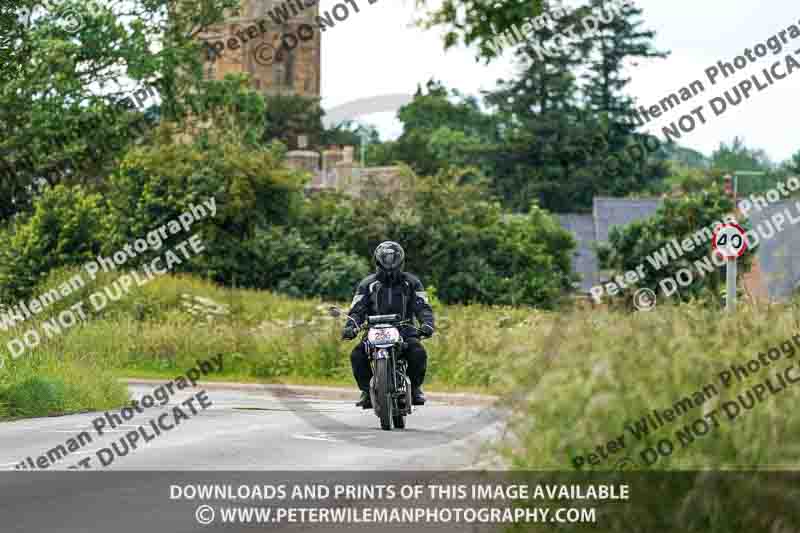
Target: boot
{"x": 365, "y": 402}
{"x": 417, "y": 396}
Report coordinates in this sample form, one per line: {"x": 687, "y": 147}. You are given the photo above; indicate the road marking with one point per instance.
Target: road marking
{"x": 312, "y": 437}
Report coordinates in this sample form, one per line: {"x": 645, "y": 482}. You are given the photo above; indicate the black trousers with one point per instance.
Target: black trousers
{"x": 415, "y": 354}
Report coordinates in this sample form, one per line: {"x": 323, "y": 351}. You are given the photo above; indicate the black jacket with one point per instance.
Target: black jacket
{"x": 376, "y": 295}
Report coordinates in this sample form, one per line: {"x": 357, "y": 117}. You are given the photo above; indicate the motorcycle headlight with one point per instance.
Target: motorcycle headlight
{"x": 383, "y": 353}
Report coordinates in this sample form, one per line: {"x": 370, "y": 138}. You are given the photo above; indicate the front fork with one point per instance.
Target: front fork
{"x": 398, "y": 384}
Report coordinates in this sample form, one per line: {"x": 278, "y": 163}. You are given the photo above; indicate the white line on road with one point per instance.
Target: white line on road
{"x": 314, "y": 437}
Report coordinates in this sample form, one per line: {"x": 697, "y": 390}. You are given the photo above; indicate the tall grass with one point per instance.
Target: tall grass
{"x": 574, "y": 379}
{"x": 163, "y": 327}
{"x": 589, "y": 374}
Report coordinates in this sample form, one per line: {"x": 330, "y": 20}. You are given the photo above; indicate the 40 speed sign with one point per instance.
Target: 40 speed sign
{"x": 730, "y": 241}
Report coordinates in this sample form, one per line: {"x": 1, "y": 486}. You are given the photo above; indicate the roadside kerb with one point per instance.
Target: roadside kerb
{"x": 325, "y": 392}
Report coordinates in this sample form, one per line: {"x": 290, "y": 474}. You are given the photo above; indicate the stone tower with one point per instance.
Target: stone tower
{"x": 276, "y": 42}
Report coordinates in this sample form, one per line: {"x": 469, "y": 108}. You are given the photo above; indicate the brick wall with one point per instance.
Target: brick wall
{"x": 294, "y": 72}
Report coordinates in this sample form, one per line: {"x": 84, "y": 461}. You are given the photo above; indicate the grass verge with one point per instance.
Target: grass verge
{"x": 165, "y": 326}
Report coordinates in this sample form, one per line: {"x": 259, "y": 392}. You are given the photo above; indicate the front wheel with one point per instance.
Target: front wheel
{"x": 399, "y": 421}
{"x": 382, "y": 395}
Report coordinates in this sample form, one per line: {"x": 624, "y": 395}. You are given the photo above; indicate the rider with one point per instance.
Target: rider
{"x": 391, "y": 291}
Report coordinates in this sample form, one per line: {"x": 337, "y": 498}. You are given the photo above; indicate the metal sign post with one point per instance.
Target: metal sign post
{"x": 730, "y": 242}
{"x": 730, "y": 298}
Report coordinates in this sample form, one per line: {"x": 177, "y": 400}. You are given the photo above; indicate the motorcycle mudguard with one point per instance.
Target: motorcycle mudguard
{"x": 409, "y": 404}
{"x": 372, "y": 395}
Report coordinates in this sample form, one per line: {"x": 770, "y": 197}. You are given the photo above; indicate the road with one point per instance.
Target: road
{"x": 257, "y": 430}
{"x": 245, "y": 437}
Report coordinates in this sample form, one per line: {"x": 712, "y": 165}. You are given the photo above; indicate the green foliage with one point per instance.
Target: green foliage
{"x": 737, "y": 156}
{"x": 564, "y": 116}
{"x": 34, "y": 397}
{"x": 290, "y": 264}
{"x": 678, "y": 218}
{"x": 595, "y": 373}
{"x": 66, "y": 228}
{"x": 477, "y": 21}
{"x": 687, "y": 180}
{"x": 232, "y": 106}
{"x": 288, "y": 116}
{"x": 456, "y": 238}
{"x": 251, "y": 187}
{"x": 616, "y": 42}
{"x": 441, "y": 129}
{"x": 66, "y": 65}
{"x": 793, "y": 166}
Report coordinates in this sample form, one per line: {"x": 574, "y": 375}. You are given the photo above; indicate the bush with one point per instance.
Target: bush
{"x": 251, "y": 187}
{"x": 677, "y": 219}
{"x": 66, "y": 228}
{"x": 456, "y": 237}
{"x": 35, "y": 397}
{"x": 265, "y": 235}
{"x": 289, "y": 264}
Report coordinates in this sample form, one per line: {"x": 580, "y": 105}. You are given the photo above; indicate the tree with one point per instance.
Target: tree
{"x": 289, "y": 116}
{"x": 542, "y": 127}
{"x": 737, "y": 156}
{"x": 677, "y": 219}
{"x": 251, "y": 187}
{"x": 479, "y": 22}
{"x": 617, "y": 39}
{"x": 794, "y": 164}
{"x": 61, "y": 114}
{"x": 440, "y": 110}
{"x": 67, "y": 227}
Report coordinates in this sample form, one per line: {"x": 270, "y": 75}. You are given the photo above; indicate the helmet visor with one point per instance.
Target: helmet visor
{"x": 389, "y": 257}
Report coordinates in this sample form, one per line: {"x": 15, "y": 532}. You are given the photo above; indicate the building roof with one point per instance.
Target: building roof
{"x": 779, "y": 256}
{"x": 591, "y": 230}
{"x": 610, "y": 212}
{"x": 584, "y": 261}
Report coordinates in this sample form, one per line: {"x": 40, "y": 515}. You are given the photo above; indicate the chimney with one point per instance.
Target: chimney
{"x": 729, "y": 185}
{"x": 347, "y": 154}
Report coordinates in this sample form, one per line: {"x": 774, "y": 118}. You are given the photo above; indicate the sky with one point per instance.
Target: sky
{"x": 380, "y": 51}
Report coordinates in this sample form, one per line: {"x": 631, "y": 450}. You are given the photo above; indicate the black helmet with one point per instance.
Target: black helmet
{"x": 389, "y": 258}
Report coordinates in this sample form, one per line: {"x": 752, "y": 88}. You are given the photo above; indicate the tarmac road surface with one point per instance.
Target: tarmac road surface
{"x": 254, "y": 433}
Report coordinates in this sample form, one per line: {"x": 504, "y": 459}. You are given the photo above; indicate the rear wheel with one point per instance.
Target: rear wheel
{"x": 382, "y": 395}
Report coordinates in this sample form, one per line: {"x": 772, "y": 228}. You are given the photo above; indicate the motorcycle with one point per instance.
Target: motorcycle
{"x": 389, "y": 388}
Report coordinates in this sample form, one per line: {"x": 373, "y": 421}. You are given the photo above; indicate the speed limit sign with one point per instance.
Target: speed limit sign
{"x": 729, "y": 240}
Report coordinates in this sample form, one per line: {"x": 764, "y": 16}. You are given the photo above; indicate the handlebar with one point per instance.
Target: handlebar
{"x": 396, "y": 322}
{"x": 385, "y": 319}
{"x": 393, "y": 319}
